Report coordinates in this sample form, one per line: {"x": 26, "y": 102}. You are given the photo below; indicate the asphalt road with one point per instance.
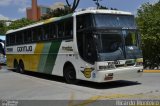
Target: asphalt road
{"x": 33, "y": 86}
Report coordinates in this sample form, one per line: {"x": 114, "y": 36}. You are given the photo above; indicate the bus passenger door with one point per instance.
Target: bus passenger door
{"x": 86, "y": 47}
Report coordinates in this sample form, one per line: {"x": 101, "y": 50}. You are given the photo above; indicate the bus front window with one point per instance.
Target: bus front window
{"x": 109, "y": 46}
{"x": 85, "y": 40}
{"x": 86, "y": 47}
{"x": 132, "y": 45}
{"x": 105, "y": 37}
{"x": 118, "y": 46}
{"x": 131, "y": 39}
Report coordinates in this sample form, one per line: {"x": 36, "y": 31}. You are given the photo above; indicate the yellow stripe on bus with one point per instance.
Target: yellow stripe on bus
{"x": 49, "y": 20}
{"x": 36, "y": 57}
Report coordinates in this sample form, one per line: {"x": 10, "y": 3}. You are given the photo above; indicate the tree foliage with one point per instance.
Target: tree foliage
{"x": 2, "y": 28}
{"x": 57, "y": 12}
{"x": 14, "y": 25}
{"x": 148, "y": 20}
{"x": 20, "y": 23}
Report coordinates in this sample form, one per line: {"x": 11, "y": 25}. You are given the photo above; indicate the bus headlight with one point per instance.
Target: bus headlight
{"x": 110, "y": 66}
{"x": 102, "y": 67}
{"x": 139, "y": 62}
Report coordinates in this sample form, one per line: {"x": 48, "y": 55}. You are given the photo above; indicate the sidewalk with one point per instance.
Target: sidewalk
{"x": 3, "y": 69}
{"x": 151, "y": 71}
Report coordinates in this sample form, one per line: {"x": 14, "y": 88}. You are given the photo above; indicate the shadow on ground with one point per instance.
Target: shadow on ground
{"x": 106, "y": 85}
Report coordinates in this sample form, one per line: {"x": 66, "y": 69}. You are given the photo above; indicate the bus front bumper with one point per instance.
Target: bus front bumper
{"x": 118, "y": 74}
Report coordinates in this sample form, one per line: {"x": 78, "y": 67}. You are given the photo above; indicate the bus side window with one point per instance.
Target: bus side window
{"x": 12, "y": 38}
{"x": 23, "y": 35}
{"x": 34, "y": 34}
{"x": 41, "y": 34}
{"x": 19, "y": 38}
{"x": 8, "y": 39}
{"x": 79, "y": 23}
{"x": 69, "y": 27}
{"x": 29, "y": 36}
{"x": 46, "y": 32}
{"x": 53, "y": 31}
{"x": 83, "y": 21}
{"x": 60, "y": 29}
{"x": 50, "y": 31}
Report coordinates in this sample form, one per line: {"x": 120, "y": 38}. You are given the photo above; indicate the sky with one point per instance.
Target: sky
{"x": 16, "y": 9}
{"x": 2, "y": 37}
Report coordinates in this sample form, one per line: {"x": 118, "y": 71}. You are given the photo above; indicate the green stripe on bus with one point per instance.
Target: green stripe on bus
{"x": 57, "y": 18}
{"x": 66, "y": 16}
{"x": 51, "y": 58}
{"x": 43, "y": 57}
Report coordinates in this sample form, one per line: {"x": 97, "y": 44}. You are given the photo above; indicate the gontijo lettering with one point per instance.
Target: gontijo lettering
{"x": 24, "y": 49}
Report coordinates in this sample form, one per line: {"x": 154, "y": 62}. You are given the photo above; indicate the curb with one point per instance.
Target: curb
{"x": 151, "y": 71}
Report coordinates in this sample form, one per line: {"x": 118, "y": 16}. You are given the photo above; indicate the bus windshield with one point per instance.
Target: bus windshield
{"x": 120, "y": 21}
{"x": 109, "y": 46}
{"x": 106, "y": 37}
{"x": 132, "y": 44}
{"x": 118, "y": 46}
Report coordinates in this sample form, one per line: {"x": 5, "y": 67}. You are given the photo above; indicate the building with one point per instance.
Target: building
{"x": 57, "y": 5}
{"x": 6, "y": 22}
{"x": 35, "y": 12}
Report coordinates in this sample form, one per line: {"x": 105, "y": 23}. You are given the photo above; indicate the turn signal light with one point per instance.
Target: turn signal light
{"x": 108, "y": 76}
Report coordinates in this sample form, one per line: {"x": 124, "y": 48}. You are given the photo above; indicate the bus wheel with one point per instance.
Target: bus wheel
{"x": 21, "y": 67}
{"x": 70, "y": 75}
{"x": 16, "y": 66}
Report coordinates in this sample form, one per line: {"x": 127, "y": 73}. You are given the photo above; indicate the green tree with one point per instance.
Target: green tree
{"x": 20, "y": 23}
{"x": 2, "y": 28}
{"x": 14, "y": 25}
{"x": 57, "y": 12}
{"x": 148, "y": 20}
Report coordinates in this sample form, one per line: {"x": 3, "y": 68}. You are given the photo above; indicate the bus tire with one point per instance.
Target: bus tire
{"x": 70, "y": 74}
{"x": 15, "y": 65}
{"x": 21, "y": 67}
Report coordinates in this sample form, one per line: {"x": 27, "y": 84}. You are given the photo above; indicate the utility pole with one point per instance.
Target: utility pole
{"x": 97, "y": 3}
{"x": 73, "y": 5}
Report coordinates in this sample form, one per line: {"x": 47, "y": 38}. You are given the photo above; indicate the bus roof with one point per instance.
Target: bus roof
{"x": 40, "y": 23}
{"x": 103, "y": 11}
{"x": 94, "y": 11}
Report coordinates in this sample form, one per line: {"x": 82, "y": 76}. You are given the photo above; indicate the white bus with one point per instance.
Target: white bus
{"x": 2, "y": 50}
{"x": 92, "y": 45}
